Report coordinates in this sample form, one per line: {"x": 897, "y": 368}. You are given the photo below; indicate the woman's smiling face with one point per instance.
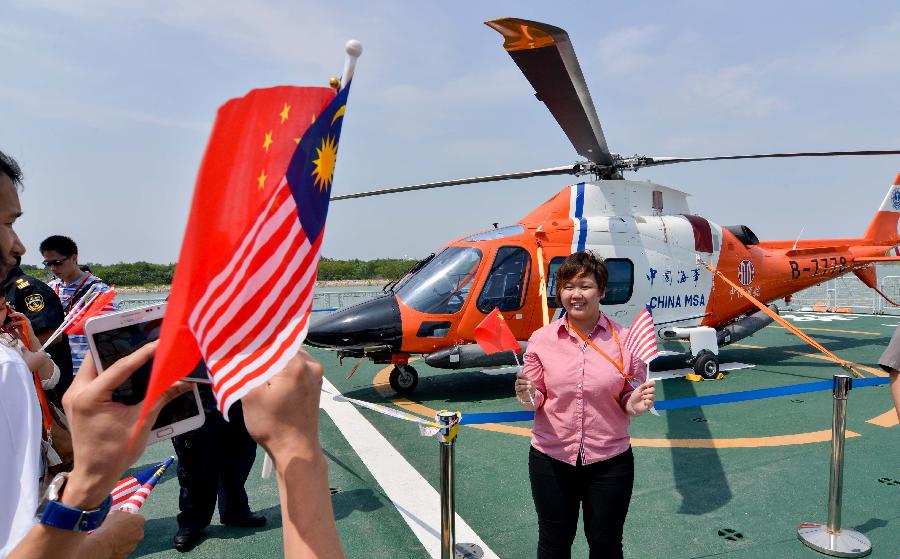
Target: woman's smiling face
{"x": 580, "y": 296}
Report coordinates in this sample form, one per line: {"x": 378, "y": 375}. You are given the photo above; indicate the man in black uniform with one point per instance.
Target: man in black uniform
{"x": 214, "y": 460}
{"x": 34, "y": 298}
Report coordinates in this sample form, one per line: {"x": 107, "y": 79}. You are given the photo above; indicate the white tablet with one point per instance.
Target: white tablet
{"x": 115, "y": 335}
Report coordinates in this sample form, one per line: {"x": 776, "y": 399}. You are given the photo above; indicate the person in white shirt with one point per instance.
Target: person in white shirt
{"x": 20, "y": 439}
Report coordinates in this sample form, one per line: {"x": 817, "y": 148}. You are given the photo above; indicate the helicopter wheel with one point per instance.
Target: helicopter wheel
{"x": 706, "y": 365}
{"x": 403, "y": 379}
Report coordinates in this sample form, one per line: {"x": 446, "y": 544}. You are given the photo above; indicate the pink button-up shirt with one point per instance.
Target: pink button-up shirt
{"x": 580, "y": 399}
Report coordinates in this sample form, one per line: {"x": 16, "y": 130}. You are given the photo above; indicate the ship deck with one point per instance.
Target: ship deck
{"x": 719, "y": 479}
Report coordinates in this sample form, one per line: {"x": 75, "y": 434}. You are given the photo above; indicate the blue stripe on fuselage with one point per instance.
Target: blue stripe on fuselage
{"x": 579, "y": 213}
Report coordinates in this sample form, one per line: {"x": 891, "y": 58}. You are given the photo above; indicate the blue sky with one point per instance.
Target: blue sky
{"x": 107, "y": 105}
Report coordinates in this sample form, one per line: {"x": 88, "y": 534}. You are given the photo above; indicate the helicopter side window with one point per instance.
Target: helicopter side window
{"x": 505, "y": 285}
{"x": 442, "y": 285}
{"x": 619, "y": 284}
{"x": 552, "y": 269}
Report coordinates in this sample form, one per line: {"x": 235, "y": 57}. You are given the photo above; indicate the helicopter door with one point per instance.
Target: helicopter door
{"x": 506, "y": 287}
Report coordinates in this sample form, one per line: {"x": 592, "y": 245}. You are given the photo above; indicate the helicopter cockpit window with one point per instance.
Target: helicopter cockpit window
{"x": 442, "y": 285}
{"x": 505, "y": 286}
{"x": 500, "y": 233}
{"x": 619, "y": 284}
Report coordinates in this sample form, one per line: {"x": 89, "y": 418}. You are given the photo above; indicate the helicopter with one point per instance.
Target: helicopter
{"x": 653, "y": 246}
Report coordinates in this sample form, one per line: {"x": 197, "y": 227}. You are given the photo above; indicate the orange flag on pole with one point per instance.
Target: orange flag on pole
{"x": 493, "y": 334}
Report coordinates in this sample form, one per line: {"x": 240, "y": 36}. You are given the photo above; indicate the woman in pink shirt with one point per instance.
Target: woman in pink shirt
{"x": 578, "y": 379}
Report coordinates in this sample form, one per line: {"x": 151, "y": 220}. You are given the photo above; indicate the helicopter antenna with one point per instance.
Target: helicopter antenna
{"x": 798, "y": 238}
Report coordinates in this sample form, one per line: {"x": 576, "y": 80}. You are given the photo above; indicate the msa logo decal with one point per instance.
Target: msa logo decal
{"x": 746, "y": 272}
{"x": 895, "y": 198}
{"x": 34, "y": 302}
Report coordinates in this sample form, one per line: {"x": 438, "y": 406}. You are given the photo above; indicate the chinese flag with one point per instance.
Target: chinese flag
{"x": 493, "y": 335}
{"x": 101, "y": 303}
{"x": 242, "y": 289}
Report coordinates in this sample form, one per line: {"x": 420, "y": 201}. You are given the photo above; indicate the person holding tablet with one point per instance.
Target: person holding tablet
{"x": 578, "y": 379}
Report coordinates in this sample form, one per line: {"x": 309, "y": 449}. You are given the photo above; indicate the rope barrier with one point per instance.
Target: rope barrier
{"x": 698, "y": 401}
{"x": 848, "y": 365}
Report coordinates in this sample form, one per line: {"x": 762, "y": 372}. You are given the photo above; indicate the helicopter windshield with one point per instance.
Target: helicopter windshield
{"x": 442, "y": 285}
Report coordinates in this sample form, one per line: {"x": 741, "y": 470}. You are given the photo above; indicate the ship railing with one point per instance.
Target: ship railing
{"x": 329, "y": 301}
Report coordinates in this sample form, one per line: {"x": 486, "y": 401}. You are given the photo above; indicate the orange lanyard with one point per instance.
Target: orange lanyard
{"x": 42, "y": 396}
{"x": 620, "y": 365}
{"x": 87, "y": 276}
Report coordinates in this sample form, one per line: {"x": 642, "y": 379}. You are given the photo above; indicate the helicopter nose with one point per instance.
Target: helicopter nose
{"x": 371, "y": 323}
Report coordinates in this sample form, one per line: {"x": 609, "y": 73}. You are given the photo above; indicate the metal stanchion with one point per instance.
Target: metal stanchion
{"x": 449, "y": 549}
{"x": 829, "y": 538}
{"x": 448, "y": 506}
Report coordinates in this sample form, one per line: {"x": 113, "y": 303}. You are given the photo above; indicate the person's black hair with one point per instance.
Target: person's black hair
{"x": 584, "y": 263}
{"x": 85, "y": 268}
{"x": 59, "y": 243}
{"x": 11, "y": 169}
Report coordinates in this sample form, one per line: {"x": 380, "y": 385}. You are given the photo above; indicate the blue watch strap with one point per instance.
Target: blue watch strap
{"x": 63, "y": 517}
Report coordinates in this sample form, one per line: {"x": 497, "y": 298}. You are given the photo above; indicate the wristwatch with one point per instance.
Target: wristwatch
{"x": 53, "y": 513}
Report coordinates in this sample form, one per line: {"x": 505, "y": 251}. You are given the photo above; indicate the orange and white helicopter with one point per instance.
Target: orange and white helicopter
{"x": 650, "y": 239}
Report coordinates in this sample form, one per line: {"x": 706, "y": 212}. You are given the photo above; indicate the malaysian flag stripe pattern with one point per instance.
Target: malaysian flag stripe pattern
{"x": 128, "y": 486}
{"x": 254, "y": 314}
{"x": 641, "y": 338}
{"x": 139, "y": 496}
{"x": 241, "y": 297}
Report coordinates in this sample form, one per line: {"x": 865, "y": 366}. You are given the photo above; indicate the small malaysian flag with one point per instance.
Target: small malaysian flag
{"x": 128, "y": 486}
{"x": 641, "y": 338}
{"x": 138, "y": 497}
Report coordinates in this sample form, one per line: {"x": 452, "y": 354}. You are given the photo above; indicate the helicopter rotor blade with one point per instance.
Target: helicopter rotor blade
{"x": 637, "y": 162}
{"x": 576, "y": 169}
{"x": 545, "y": 55}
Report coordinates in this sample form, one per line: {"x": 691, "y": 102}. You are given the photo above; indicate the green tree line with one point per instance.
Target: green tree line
{"x": 144, "y": 274}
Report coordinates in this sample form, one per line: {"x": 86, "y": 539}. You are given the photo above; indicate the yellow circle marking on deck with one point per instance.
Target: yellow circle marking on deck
{"x": 383, "y": 387}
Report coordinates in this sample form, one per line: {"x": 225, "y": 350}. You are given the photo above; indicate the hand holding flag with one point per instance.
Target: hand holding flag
{"x": 493, "y": 335}
{"x": 641, "y": 341}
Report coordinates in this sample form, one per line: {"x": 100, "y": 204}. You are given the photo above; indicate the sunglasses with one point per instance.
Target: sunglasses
{"x": 50, "y": 263}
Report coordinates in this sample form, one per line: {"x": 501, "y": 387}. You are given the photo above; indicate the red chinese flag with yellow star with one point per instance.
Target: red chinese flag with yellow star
{"x": 242, "y": 290}
{"x": 493, "y": 334}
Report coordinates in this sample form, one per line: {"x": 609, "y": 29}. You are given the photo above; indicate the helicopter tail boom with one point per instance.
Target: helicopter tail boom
{"x": 883, "y": 228}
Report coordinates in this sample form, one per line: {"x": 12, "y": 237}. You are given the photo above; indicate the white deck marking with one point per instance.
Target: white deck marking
{"x": 416, "y": 500}
{"x": 675, "y": 373}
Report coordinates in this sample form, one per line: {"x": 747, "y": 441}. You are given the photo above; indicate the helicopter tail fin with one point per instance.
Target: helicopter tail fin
{"x": 883, "y": 229}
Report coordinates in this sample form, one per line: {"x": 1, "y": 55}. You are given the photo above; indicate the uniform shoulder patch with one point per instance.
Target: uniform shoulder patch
{"x": 22, "y": 283}
{"x": 34, "y": 302}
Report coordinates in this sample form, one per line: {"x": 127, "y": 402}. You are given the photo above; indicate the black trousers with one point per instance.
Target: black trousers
{"x": 602, "y": 489}
{"x": 214, "y": 461}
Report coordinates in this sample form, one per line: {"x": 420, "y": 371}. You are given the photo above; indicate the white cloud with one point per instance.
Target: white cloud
{"x": 61, "y": 106}
{"x": 266, "y": 29}
{"x": 868, "y": 53}
{"x": 732, "y": 90}
{"x": 625, "y": 50}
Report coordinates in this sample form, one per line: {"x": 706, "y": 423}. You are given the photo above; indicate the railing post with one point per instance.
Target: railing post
{"x": 829, "y": 538}
{"x": 448, "y": 505}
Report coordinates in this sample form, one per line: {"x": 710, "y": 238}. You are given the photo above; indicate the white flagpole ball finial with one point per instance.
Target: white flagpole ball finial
{"x": 354, "y": 50}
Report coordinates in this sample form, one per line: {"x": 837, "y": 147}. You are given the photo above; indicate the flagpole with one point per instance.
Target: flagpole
{"x": 354, "y": 50}
{"x": 76, "y": 311}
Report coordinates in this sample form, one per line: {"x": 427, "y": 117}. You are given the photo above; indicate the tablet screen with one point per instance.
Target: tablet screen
{"x": 115, "y": 344}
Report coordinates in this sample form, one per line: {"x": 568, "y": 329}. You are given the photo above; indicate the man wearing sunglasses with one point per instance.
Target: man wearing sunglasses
{"x": 71, "y": 284}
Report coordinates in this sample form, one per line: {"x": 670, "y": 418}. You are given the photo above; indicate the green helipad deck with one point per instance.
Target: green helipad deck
{"x": 730, "y": 480}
